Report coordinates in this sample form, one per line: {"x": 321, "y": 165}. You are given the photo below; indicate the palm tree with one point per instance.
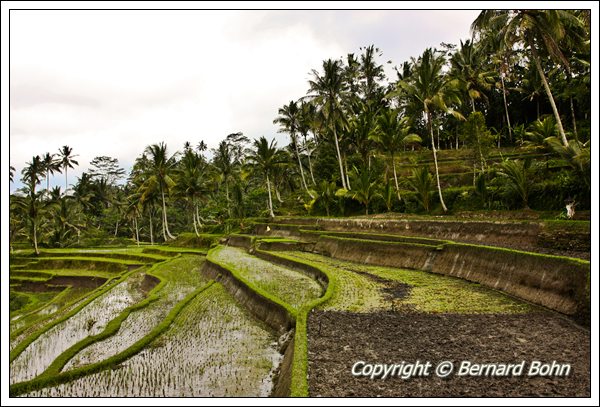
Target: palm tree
{"x": 288, "y": 120}
{"x": 32, "y": 174}
{"x": 160, "y": 179}
{"x": 12, "y": 173}
{"x": 265, "y": 158}
{"x": 361, "y": 128}
{"x": 365, "y": 188}
{"x": 577, "y": 155}
{"x": 66, "y": 161}
{"x": 190, "y": 183}
{"x": 469, "y": 68}
{"x": 539, "y": 131}
{"x": 51, "y": 165}
{"x": 133, "y": 212}
{"x": 328, "y": 91}
{"x": 422, "y": 182}
{"x": 324, "y": 194}
{"x": 491, "y": 44}
{"x": 309, "y": 121}
{"x": 371, "y": 74}
{"x": 428, "y": 90}
{"x": 518, "y": 178}
{"x": 539, "y": 31}
{"x": 224, "y": 161}
{"x": 391, "y": 134}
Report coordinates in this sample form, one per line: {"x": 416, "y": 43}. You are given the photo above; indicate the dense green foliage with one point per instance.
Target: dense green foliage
{"x": 501, "y": 121}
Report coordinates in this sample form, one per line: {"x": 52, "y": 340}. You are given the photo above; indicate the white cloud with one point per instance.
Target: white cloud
{"x": 112, "y": 82}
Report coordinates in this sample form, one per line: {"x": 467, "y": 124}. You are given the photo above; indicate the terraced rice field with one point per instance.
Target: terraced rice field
{"x": 141, "y": 322}
{"x": 147, "y": 321}
{"x": 214, "y": 348}
{"x": 364, "y": 288}
{"x": 291, "y": 287}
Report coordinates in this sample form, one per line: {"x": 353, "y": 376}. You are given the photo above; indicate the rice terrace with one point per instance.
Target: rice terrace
{"x": 423, "y": 234}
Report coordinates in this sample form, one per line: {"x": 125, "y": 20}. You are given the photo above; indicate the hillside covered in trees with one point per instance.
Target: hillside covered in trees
{"x": 498, "y": 122}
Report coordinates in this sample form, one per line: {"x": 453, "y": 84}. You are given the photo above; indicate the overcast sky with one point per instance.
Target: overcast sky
{"x": 113, "y": 82}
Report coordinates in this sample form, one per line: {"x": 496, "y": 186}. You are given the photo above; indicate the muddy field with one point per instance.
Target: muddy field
{"x": 339, "y": 339}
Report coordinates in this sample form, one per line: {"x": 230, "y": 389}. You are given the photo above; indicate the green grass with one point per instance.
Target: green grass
{"x": 350, "y": 291}
{"x": 428, "y": 292}
{"x": 87, "y": 263}
{"x": 21, "y": 303}
{"x": 36, "y": 317}
{"x": 299, "y": 382}
{"x": 291, "y": 287}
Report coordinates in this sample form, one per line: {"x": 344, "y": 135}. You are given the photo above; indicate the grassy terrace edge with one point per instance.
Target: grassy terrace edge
{"x": 299, "y": 379}
{"x": 47, "y": 380}
{"x": 99, "y": 291}
{"x": 299, "y": 384}
{"x": 338, "y": 236}
{"x": 110, "y": 329}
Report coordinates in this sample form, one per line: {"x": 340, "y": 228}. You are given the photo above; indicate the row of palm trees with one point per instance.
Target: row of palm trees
{"x": 343, "y": 99}
{"x": 348, "y": 133}
{"x": 35, "y": 170}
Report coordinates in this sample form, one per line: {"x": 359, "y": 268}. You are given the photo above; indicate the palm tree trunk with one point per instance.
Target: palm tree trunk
{"x": 346, "y": 170}
{"x": 339, "y": 156}
{"x": 277, "y": 194}
{"x": 395, "y": 176}
{"x": 227, "y": 196}
{"x": 302, "y": 171}
{"x": 573, "y": 118}
{"x": 437, "y": 171}
{"x": 198, "y": 216}
{"x": 506, "y": 108}
{"x": 137, "y": 231}
{"x": 270, "y": 198}
{"x": 481, "y": 161}
{"x": 538, "y": 65}
{"x": 116, "y": 228}
{"x": 194, "y": 220}
{"x": 35, "y": 245}
{"x": 66, "y": 169}
{"x": 47, "y": 182}
{"x": 312, "y": 176}
{"x": 151, "y": 231}
{"x": 165, "y": 220}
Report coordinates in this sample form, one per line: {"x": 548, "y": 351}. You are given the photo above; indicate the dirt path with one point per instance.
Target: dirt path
{"x": 337, "y": 340}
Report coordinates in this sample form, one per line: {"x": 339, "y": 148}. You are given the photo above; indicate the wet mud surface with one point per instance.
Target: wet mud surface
{"x": 337, "y": 340}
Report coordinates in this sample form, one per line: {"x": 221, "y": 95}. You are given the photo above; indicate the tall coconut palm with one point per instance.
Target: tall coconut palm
{"x": 265, "y": 158}
{"x": 491, "y": 45}
{"x": 288, "y": 120}
{"x": 51, "y": 165}
{"x": 328, "y": 91}
{"x": 32, "y": 174}
{"x": 392, "y": 133}
{"x": 160, "y": 179}
{"x": 224, "y": 162}
{"x": 469, "y": 68}
{"x": 371, "y": 74}
{"x": 309, "y": 121}
{"x": 541, "y": 31}
{"x": 12, "y": 174}
{"x": 66, "y": 161}
{"x": 428, "y": 90}
{"x": 190, "y": 183}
